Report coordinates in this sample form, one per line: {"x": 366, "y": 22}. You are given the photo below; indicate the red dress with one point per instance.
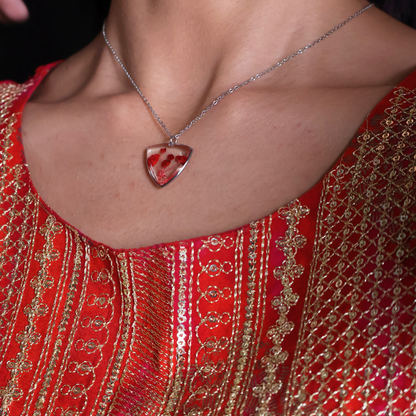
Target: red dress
{"x": 309, "y": 311}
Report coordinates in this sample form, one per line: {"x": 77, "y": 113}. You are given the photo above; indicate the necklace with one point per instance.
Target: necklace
{"x": 166, "y": 161}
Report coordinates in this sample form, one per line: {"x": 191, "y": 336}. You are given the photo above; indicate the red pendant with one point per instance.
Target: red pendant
{"x": 166, "y": 162}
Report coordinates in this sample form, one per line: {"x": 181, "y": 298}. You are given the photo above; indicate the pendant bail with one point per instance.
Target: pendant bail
{"x": 173, "y": 141}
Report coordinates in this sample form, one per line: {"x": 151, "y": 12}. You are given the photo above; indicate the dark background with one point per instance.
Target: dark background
{"x": 58, "y": 28}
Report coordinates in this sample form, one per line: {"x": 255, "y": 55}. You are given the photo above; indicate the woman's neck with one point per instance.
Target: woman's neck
{"x": 191, "y": 46}
{"x": 184, "y": 53}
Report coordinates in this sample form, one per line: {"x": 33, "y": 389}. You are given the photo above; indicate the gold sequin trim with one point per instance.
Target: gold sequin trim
{"x": 286, "y": 273}
{"x": 248, "y": 331}
{"x": 182, "y": 333}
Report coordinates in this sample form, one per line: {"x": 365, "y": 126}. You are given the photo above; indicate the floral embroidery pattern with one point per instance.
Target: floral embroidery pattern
{"x": 285, "y": 273}
{"x": 34, "y": 310}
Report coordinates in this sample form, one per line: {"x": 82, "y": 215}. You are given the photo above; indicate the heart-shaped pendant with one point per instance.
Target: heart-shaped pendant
{"x": 165, "y": 162}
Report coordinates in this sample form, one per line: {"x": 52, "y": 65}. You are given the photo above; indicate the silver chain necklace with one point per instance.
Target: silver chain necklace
{"x": 167, "y": 160}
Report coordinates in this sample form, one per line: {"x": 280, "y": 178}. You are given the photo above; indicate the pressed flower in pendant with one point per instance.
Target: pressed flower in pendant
{"x": 164, "y": 169}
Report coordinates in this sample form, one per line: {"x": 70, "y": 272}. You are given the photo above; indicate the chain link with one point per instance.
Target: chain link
{"x": 174, "y": 137}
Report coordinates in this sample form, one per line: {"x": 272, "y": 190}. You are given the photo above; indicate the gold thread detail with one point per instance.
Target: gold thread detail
{"x": 126, "y": 296}
{"x": 286, "y": 273}
{"x": 62, "y": 327}
{"x": 359, "y": 322}
{"x": 248, "y": 330}
{"x": 181, "y": 349}
{"x": 29, "y": 337}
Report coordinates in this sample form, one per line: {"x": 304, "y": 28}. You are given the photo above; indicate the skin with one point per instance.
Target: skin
{"x": 85, "y": 129}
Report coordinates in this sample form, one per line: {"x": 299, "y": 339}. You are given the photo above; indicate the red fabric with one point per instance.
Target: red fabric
{"x": 205, "y": 326}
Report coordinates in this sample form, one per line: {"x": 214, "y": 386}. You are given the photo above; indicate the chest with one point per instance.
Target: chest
{"x": 251, "y": 156}
{"x": 222, "y": 323}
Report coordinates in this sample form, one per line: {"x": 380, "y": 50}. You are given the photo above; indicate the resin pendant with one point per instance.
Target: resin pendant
{"x": 165, "y": 162}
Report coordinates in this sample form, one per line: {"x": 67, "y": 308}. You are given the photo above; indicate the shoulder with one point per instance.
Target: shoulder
{"x": 9, "y": 91}
{"x": 389, "y": 133}
{"x": 389, "y": 47}
{"x": 381, "y": 162}
{"x": 11, "y": 95}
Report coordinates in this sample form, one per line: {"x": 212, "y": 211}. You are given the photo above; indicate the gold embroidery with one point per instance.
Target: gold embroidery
{"x": 248, "y": 331}
{"x": 105, "y": 300}
{"x": 233, "y": 318}
{"x": 286, "y": 273}
{"x": 53, "y": 312}
{"x": 333, "y": 322}
{"x": 20, "y": 211}
{"x": 60, "y": 389}
{"x": 246, "y": 388}
{"x": 188, "y": 370}
{"x": 126, "y": 296}
{"x": 61, "y": 328}
{"x": 29, "y": 336}
{"x": 9, "y": 92}
{"x": 145, "y": 377}
{"x": 91, "y": 354}
{"x": 356, "y": 350}
{"x": 171, "y": 255}
{"x": 182, "y": 325}
{"x": 214, "y": 355}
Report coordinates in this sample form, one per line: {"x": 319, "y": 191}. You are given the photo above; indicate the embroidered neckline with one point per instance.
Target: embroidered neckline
{"x": 42, "y": 71}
